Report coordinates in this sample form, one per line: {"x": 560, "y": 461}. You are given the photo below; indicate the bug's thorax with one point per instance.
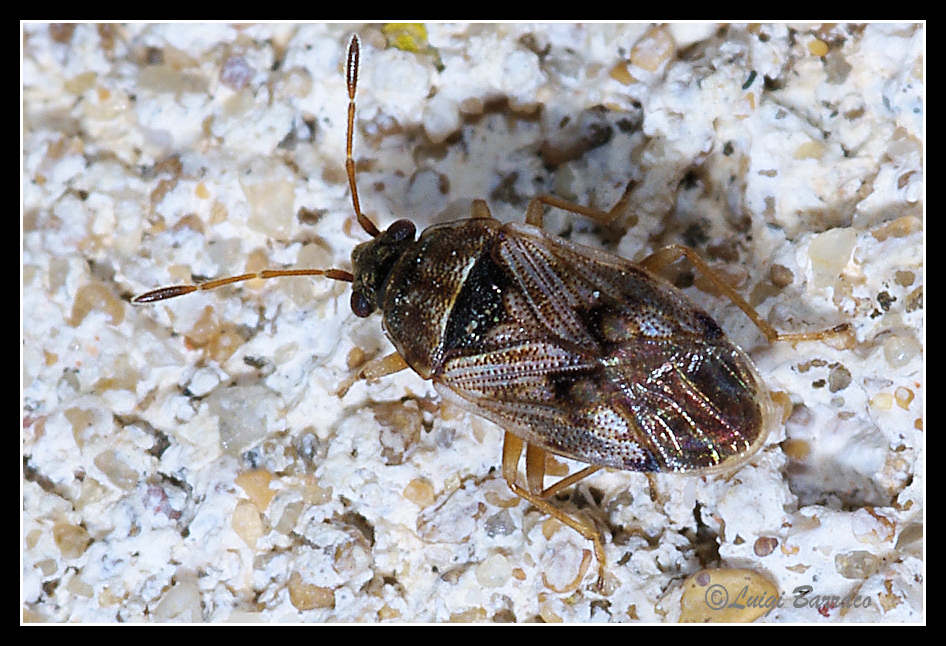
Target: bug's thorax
{"x": 419, "y": 294}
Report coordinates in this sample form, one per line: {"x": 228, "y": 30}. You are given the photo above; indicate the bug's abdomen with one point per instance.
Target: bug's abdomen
{"x": 421, "y": 293}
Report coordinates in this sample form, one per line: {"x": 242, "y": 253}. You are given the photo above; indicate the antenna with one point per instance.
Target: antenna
{"x": 351, "y": 77}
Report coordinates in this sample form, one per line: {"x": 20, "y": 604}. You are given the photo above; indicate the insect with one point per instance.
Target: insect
{"x": 571, "y": 350}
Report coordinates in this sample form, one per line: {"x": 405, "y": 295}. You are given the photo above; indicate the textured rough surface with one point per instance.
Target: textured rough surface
{"x": 190, "y": 460}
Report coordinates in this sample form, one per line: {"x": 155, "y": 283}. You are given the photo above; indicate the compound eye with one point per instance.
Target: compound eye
{"x": 401, "y": 230}
{"x": 361, "y": 305}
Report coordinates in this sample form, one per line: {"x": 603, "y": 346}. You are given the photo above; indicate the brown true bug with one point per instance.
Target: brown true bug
{"x": 571, "y": 350}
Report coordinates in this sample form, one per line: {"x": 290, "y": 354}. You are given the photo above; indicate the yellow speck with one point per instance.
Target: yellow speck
{"x": 201, "y": 191}
{"x": 407, "y": 36}
{"x": 818, "y": 47}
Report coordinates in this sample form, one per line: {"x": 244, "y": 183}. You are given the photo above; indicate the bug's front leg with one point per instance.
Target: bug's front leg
{"x": 536, "y": 494}
{"x": 374, "y": 369}
{"x": 670, "y": 254}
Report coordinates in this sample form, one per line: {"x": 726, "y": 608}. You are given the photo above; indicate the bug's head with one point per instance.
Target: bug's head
{"x": 372, "y": 262}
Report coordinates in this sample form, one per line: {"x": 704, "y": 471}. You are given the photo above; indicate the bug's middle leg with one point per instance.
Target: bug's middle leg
{"x": 536, "y": 494}
{"x": 535, "y": 211}
{"x": 535, "y": 473}
{"x": 670, "y": 254}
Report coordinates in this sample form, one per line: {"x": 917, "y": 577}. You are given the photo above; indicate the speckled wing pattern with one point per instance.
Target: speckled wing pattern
{"x": 586, "y": 355}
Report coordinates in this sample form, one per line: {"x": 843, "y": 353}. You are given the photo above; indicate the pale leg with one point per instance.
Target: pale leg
{"x": 536, "y": 494}
{"x": 373, "y": 370}
{"x": 670, "y": 254}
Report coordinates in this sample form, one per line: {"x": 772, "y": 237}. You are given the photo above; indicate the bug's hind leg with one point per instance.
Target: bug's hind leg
{"x": 536, "y": 494}
{"x": 374, "y": 369}
{"x": 670, "y": 254}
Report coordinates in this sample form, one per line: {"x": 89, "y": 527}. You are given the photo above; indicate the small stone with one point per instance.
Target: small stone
{"x": 858, "y": 564}
{"x": 765, "y": 545}
{"x": 780, "y": 275}
{"x": 247, "y": 523}
{"x": 494, "y": 571}
{"x": 500, "y": 523}
{"x": 420, "y": 492}
{"x": 256, "y": 485}
{"x": 96, "y": 296}
{"x": 726, "y": 596}
{"x": 829, "y": 253}
{"x": 654, "y": 47}
{"x": 119, "y": 474}
{"x": 903, "y": 396}
{"x": 796, "y": 450}
{"x": 305, "y": 596}
{"x": 839, "y": 378}
{"x": 236, "y": 72}
{"x": 72, "y": 540}
{"x": 899, "y": 349}
{"x": 818, "y": 47}
{"x": 203, "y": 381}
{"x": 882, "y": 401}
{"x": 180, "y": 603}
